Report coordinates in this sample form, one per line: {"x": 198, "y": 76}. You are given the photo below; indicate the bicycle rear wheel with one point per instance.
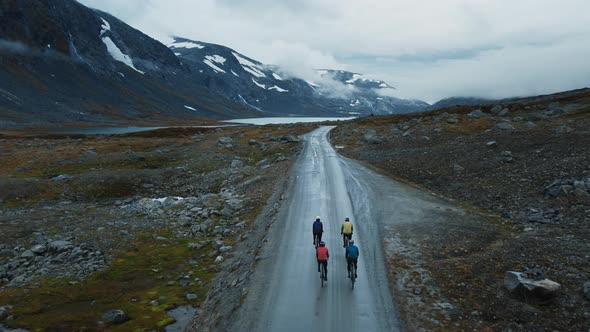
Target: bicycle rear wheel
{"x": 352, "y": 276}
{"x": 323, "y": 274}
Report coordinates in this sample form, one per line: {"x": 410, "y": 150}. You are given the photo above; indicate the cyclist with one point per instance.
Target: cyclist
{"x": 346, "y": 231}
{"x": 318, "y": 229}
{"x": 322, "y": 255}
{"x": 352, "y": 257}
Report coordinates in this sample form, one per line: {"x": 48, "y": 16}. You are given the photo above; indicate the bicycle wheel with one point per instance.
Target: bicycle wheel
{"x": 352, "y": 276}
{"x": 322, "y": 274}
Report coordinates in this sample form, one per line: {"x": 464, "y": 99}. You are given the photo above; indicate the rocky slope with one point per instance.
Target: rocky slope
{"x": 113, "y": 231}
{"x": 524, "y": 166}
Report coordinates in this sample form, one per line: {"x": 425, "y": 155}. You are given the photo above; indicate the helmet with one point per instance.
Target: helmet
{"x": 351, "y": 242}
{"x": 317, "y": 218}
{"x": 322, "y": 243}
{"x": 346, "y": 219}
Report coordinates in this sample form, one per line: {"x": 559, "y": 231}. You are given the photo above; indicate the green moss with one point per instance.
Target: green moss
{"x": 129, "y": 283}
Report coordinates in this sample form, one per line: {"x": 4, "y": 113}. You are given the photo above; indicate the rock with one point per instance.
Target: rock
{"x": 289, "y": 139}
{"x": 554, "y": 105}
{"x": 252, "y": 141}
{"x": 191, "y": 297}
{"x": 586, "y": 289}
{"x": 529, "y": 289}
{"x": 226, "y": 142}
{"x": 529, "y": 125}
{"x": 496, "y": 110}
{"x": 39, "y": 249}
{"x": 225, "y": 249}
{"x": 506, "y": 156}
{"x": 491, "y": 144}
{"x": 117, "y": 316}
{"x": 60, "y": 177}
{"x": 219, "y": 259}
{"x": 581, "y": 193}
{"x": 563, "y": 129}
{"x": 504, "y": 112}
{"x": 536, "y": 117}
{"x": 457, "y": 169}
{"x": 59, "y": 246}
{"x": 476, "y": 114}
{"x": 3, "y": 313}
{"x": 504, "y": 126}
{"x": 371, "y": 137}
{"x": 452, "y": 120}
{"x": 27, "y": 254}
{"x": 237, "y": 163}
{"x": 134, "y": 156}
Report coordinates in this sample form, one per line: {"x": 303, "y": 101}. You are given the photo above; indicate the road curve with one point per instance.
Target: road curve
{"x": 286, "y": 295}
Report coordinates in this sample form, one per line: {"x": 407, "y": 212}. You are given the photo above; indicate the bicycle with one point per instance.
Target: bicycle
{"x": 352, "y": 275}
{"x": 316, "y": 240}
{"x": 322, "y": 274}
{"x": 347, "y": 238}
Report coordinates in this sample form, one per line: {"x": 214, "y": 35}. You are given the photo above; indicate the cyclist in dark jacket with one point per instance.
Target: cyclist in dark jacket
{"x": 352, "y": 256}
{"x": 318, "y": 229}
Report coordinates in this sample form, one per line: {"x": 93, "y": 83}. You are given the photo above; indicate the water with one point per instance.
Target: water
{"x": 286, "y": 120}
{"x": 183, "y": 316}
{"x": 233, "y": 122}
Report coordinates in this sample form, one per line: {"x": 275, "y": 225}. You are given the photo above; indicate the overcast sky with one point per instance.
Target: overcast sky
{"x": 427, "y": 49}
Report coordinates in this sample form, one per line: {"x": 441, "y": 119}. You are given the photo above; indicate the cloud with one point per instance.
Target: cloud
{"x": 427, "y": 49}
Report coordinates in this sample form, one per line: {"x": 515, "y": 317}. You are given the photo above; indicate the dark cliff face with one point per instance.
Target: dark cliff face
{"x": 63, "y": 62}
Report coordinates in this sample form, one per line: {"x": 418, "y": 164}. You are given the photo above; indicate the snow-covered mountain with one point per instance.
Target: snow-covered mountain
{"x": 269, "y": 89}
{"x": 63, "y": 62}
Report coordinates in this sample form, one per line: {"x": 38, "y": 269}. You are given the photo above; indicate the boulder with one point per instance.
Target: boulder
{"x": 476, "y": 114}
{"x": 237, "y": 163}
{"x": 496, "y": 109}
{"x": 586, "y": 289}
{"x": 3, "y": 313}
{"x": 530, "y": 125}
{"x": 117, "y": 316}
{"x": 506, "y": 156}
{"x": 39, "y": 249}
{"x": 504, "y": 112}
{"x": 252, "y": 141}
{"x": 371, "y": 137}
{"x": 529, "y": 289}
{"x": 504, "y": 126}
{"x": 452, "y": 120}
{"x": 219, "y": 259}
{"x": 457, "y": 169}
{"x": 27, "y": 254}
{"x": 491, "y": 144}
{"x": 191, "y": 296}
{"x": 59, "y": 246}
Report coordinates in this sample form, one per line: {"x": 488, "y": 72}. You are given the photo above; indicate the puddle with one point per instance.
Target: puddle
{"x": 183, "y": 316}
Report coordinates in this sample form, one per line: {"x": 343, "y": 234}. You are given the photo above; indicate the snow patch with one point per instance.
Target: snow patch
{"x": 355, "y": 77}
{"x": 277, "y": 77}
{"x": 190, "y": 108}
{"x": 354, "y": 103}
{"x": 215, "y": 68}
{"x": 279, "y": 89}
{"x": 249, "y": 66}
{"x": 312, "y": 84}
{"x": 233, "y": 72}
{"x": 118, "y": 55}
{"x": 185, "y": 45}
{"x": 177, "y": 54}
{"x": 104, "y": 27}
{"x": 322, "y": 72}
{"x": 383, "y": 85}
{"x": 260, "y": 85}
{"x": 216, "y": 58}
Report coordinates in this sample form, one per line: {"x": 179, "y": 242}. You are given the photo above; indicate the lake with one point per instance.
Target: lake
{"x": 234, "y": 122}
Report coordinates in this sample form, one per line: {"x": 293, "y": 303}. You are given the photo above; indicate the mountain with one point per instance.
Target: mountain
{"x": 269, "y": 89}
{"x": 61, "y": 62}
{"x": 459, "y": 101}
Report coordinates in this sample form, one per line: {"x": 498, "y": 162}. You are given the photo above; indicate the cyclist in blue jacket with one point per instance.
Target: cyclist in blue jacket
{"x": 318, "y": 229}
{"x": 352, "y": 256}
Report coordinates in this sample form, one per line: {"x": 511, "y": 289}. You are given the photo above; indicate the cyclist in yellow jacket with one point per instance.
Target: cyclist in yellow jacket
{"x": 346, "y": 231}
